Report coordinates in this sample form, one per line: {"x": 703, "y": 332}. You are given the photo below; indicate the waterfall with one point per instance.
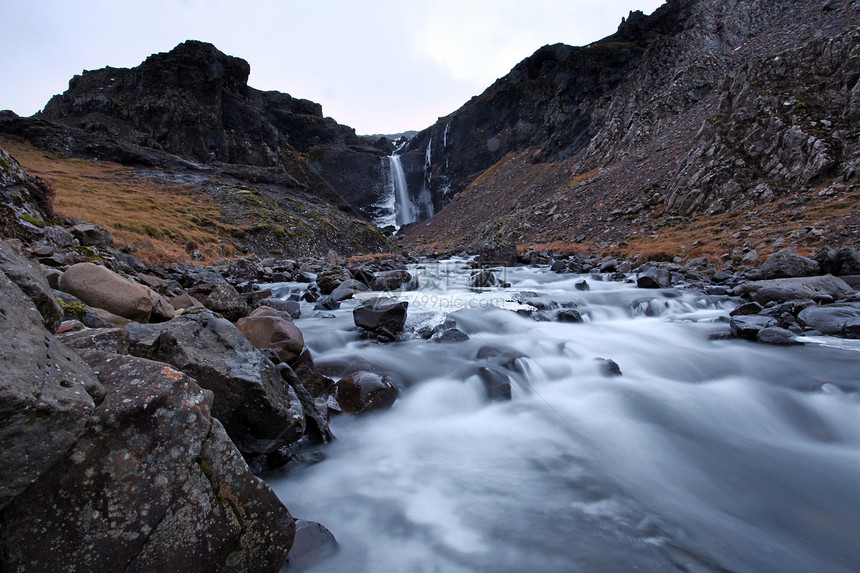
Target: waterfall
{"x": 425, "y": 197}
{"x": 403, "y": 211}
{"x": 445, "y": 136}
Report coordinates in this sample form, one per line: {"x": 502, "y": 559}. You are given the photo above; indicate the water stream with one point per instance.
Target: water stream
{"x": 704, "y": 455}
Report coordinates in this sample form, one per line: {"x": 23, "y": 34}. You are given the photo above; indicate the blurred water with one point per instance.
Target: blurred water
{"x": 705, "y": 455}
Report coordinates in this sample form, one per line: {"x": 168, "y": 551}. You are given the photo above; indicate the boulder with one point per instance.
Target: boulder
{"x": 746, "y": 309}
{"x": 851, "y": 328}
{"x": 162, "y": 310}
{"x": 608, "y": 367}
{"x": 830, "y": 319}
{"x": 273, "y": 332}
{"x": 113, "y": 340}
{"x": 484, "y": 278}
{"x": 291, "y": 307}
{"x": 222, "y": 298}
{"x": 91, "y": 235}
{"x": 309, "y": 375}
{"x": 847, "y": 262}
{"x": 332, "y": 278}
{"x": 567, "y": 315}
{"x": 153, "y": 484}
{"x": 47, "y": 394}
{"x": 653, "y": 277}
{"x": 748, "y": 326}
{"x": 362, "y": 392}
{"x": 382, "y": 317}
{"x": 581, "y": 284}
{"x": 347, "y": 289}
{"x": 100, "y": 287}
{"x": 782, "y": 290}
{"x": 788, "y": 265}
{"x": 497, "y": 384}
{"x": 449, "y": 335}
{"x": 32, "y": 282}
{"x": 394, "y": 280}
{"x": 777, "y": 336}
{"x": 313, "y": 544}
{"x": 259, "y": 411}
{"x": 185, "y": 300}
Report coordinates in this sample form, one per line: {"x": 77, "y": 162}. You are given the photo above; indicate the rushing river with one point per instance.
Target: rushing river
{"x": 704, "y": 455}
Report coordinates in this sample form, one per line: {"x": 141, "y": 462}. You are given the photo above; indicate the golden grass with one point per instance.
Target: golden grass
{"x": 163, "y": 223}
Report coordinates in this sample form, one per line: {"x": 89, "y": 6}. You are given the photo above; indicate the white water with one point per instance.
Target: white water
{"x": 404, "y": 212}
{"x": 705, "y": 455}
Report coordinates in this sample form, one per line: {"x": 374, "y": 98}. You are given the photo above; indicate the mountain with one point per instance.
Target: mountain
{"x": 287, "y": 179}
{"x": 738, "y": 110}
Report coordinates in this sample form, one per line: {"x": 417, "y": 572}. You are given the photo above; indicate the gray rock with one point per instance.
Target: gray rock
{"x": 347, "y": 289}
{"x": 394, "y": 280}
{"x": 497, "y": 384}
{"x": 92, "y": 235}
{"x": 113, "y": 340}
{"x": 851, "y": 328}
{"x": 777, "y": 336}
{"x": 847, "y": 262}
{"x": 652, "y": 277}
{"x": 382, "y": 317}
{"x": 449, "y": 335}
{"x": 33, "y": 283}
{"x": 222, "y": 298}
{"x": 746, "y": 309}
{"x": 291, "y": 307}
{"x": 829, "y": 319}
{"x": 748, "y": 326}
{"x": 787, "y": 265}
{"x": 313, "y": 545}
{"x": 330, "y": 279}
{"x": 484, "y": 278}
{"x": 782, "y": 290}
{"x": 153, "y": 484}
{"x": 47, "y": 394}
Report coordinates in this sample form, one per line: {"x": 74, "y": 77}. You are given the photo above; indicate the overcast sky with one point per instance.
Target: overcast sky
{"x": 379, "y": 66}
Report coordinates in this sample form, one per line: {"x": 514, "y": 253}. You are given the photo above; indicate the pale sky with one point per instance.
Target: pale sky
{"x": 380, "y": 66}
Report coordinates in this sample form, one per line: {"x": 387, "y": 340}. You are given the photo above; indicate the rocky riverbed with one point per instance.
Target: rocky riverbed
{"x": 486, "y": 408}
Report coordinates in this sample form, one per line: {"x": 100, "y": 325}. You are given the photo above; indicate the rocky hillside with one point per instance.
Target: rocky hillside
{"x": 730, "y": 110}
{"x": 191, "y": 109}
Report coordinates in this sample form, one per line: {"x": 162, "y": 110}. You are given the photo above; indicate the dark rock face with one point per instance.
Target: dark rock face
{"x": 151, "y": 467}
{"x": 382, "y": 317}
{"x": 258, "y": 409}
{"x": 364, "y": 392}
{"x": 47, "y": 394}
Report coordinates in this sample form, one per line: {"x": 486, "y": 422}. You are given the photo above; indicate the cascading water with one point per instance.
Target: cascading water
{"x": 403, "y": 210}
{"x": 703, "y": 455}
{"x": 425, "y": 197}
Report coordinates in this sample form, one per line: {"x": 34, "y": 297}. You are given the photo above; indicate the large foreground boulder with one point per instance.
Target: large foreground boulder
{"x": 258, "y": 409}
{"x": 153, "y": 484}
{"x": 47, "y": 394}
{"x": 100, "y": 287}
{"x": 782, "y": 290}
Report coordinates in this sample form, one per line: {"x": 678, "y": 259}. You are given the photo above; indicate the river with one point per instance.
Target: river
{"x": 705, "y": 454}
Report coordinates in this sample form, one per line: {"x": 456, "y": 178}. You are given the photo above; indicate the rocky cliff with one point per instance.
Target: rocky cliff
{"x": 703, "y": 108}
{"x": 194, "y": 104}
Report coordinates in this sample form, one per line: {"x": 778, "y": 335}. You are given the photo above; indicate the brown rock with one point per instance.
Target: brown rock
{"x": 273, "y": 332}
{"x": 102, "y": 288}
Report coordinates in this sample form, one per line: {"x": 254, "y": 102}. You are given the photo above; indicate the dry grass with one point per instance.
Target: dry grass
{"x": 369, "y": 258}
{"x": 163, "y": 223}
